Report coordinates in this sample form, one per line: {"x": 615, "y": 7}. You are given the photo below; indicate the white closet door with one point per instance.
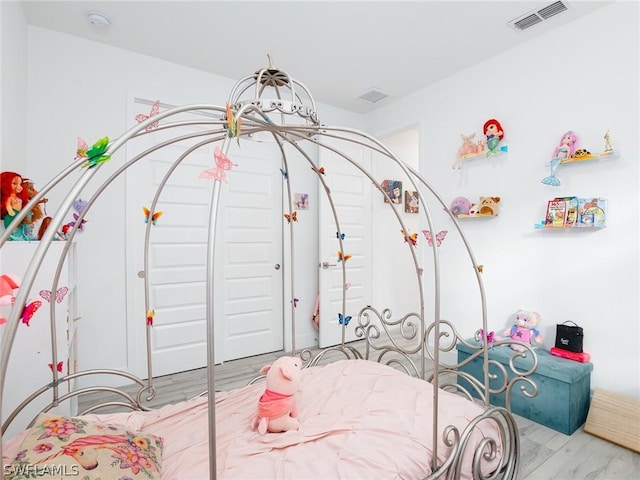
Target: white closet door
{"x": 351, "y": 195}
{"x": 248, "y": 304}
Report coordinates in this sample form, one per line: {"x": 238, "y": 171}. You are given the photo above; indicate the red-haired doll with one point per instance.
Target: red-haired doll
{"x": 13, "y": 197}
{"x": 494, "y": 133}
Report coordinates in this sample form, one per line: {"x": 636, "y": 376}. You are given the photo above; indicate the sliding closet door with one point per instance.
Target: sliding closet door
{"x": 248, "y": 302}
{"x": 351, "y": 196}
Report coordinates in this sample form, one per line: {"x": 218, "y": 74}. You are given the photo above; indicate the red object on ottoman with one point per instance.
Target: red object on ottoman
{"x": 578, "y": 357}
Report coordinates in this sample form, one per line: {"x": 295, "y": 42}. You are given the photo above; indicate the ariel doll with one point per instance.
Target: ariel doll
{"x": 565, "y": 149}
{"x": 13, "y": 197}
{"x": 494, "y": 133}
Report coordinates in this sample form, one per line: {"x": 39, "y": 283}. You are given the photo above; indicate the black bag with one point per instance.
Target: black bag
{"x": 569, "y": 337}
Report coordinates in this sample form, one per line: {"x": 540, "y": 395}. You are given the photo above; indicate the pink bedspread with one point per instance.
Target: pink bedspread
{"x": 359, "y": 420}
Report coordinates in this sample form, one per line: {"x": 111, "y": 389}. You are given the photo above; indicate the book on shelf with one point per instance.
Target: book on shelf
{"x": 571, "y": 211}
{"x": 592, "y": 212}
{"x": 556, "y": 213}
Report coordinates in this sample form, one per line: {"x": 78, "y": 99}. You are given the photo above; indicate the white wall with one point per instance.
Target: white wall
{"x": 13, "y": 87}
{"x": 583, "y": 77}
{"x": 80, "y": 88}
{"x": 395, "y": 283}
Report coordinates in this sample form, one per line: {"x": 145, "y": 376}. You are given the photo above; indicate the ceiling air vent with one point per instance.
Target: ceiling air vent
{"x": 532, "y": 18}
{"x": 373, "y": 95}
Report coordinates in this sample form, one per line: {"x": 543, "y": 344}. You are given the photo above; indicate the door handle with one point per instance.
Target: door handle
{"x": 326, "y": 265}
{"x": 277, "y": 266}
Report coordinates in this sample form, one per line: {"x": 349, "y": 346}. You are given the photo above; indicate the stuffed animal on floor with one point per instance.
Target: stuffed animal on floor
{"x": 524, "y": 330}
{"x": 277, "y": 410}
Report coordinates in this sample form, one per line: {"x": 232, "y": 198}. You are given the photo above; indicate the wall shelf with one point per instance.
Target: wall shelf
{"x": 502, "y": 149}
{"x": 475, "y": 215}
{"x": 574, "y": 213}
{"x": 542, "y": 226}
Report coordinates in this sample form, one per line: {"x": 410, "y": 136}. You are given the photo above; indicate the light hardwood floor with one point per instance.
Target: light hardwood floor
{"x": 546, "y": 454}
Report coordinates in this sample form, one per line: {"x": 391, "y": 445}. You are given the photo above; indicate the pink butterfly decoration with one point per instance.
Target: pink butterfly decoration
{"x": 60, "y": 294}
{"x": 222, "y": 164}
{"x": 81, "y": 150}
{"x": 29, "y": 311}
{"x": 141, "y": 117}
{"x": 490, "y": 337}
{"x": 439, "y": 237}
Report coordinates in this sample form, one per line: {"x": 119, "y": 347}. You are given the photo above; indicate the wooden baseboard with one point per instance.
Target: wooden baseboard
{"x": 615, "y": 418}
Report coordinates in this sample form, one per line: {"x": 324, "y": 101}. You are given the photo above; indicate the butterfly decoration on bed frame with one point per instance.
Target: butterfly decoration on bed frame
{"x": 222, "y": 165}
{"x": 439, "y": 237}
{"x": 79, "y": 205}
{"x": 291, "y": 218}
{"x": 8, "y": 283}
{"x": 81, "y": 149}
{"x": 60, "y": 294}
{"x": 318, "y": 170}
{"x": 150, "y": 316}
{"x": 68, "y": 226}
{"x": 285, "y": 175}
{"x": 490, "y": 338}
{"x": 29, "y": 310}
{"x": 413, "y": 238}
{"x": 154, "y": 218}
{"x": 141, "y": 117}
{"x": 95, "y": 154}
{"x": 343, "y": 258}
{"x": 340, "y": 235}
{"x": 343, "y": 320}
{"x": 233, "y": 124}
{"x": 58, "y": 366}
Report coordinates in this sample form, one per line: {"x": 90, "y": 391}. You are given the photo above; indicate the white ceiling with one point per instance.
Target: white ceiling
{"x": 338, "y": 49}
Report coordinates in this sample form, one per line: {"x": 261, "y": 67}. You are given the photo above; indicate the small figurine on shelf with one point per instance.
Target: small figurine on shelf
{"x": 607, "y": 142}
{"x": 13, "y": 197}
{"x": 565, "y": 149}
{"x": 494, "y": 133}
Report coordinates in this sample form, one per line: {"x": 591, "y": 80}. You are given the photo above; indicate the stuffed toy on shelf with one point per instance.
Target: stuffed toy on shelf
{"x": 525, "y": 329}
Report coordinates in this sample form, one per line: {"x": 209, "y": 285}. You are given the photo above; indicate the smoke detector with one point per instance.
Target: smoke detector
{"x": 537, "y": 16}
{"x": 98, "y": 19}
{"x": 373, "y": 95}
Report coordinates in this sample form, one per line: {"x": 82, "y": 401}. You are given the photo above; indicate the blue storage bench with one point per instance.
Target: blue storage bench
{"x": 563, "y": 398}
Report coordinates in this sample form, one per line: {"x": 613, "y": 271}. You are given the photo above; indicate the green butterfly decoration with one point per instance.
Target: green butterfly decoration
{"x": 95, "y": 155}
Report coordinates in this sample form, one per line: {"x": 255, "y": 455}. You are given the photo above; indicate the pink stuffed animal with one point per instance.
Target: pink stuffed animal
{"x": 277, "y": 410}
{"x": 524, "y": 329}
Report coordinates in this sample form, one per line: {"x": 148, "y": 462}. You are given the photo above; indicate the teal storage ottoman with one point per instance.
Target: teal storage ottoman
{"x": 563, "y": 398}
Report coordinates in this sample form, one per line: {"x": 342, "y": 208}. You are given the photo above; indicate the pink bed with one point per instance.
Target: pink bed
{"x": 360, "y": 420}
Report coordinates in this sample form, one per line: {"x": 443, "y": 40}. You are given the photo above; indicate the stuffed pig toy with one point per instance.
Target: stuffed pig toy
{"x": 277, "y": 410}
